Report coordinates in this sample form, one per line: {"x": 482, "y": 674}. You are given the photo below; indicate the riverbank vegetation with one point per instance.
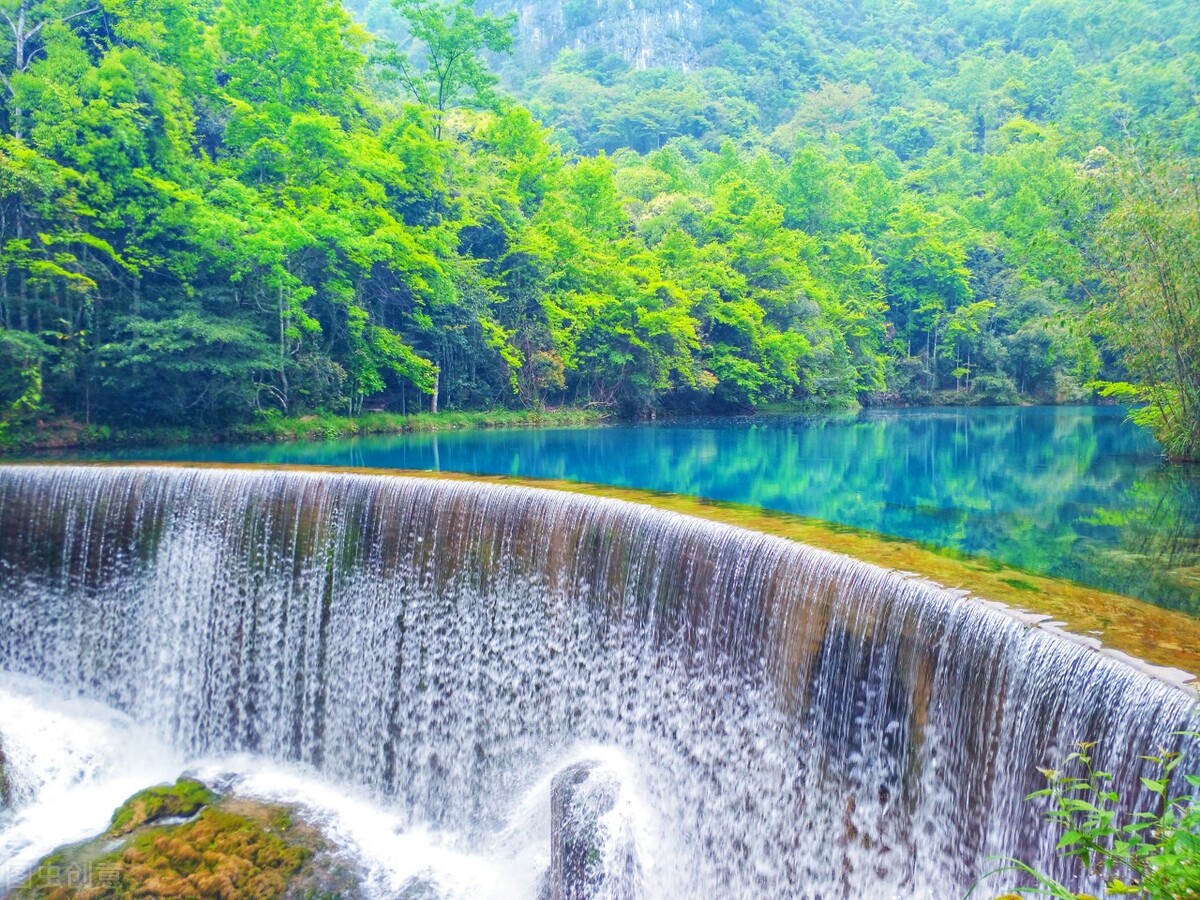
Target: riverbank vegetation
{"x": 272, "y": 427}
{"x": 1152, "y": 313}
{"x": 224, "y": 215}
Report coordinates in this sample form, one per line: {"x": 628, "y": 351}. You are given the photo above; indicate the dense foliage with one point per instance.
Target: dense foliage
{"x": 212, "y": 209}
{"x": 1153, "y": 312}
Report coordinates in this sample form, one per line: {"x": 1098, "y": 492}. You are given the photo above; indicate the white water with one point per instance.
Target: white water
{"x": 72, "y": 762}
{"x": 413, "y": 660}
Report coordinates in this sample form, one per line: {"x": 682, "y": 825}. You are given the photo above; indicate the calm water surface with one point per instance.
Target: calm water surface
{"x": 1075, "y": 492}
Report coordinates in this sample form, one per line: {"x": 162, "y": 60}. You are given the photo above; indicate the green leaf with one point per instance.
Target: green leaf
{"x": 1158, "y": 786}
{"x": 1070, "y": 837}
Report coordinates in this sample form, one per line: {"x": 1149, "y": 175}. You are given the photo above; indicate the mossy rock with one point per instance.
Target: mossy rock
{"x": 230, "y": 849}
{"x": 181, "y": 800}
{"x": 221, "y": 854}
{"x": 5, "y": 787}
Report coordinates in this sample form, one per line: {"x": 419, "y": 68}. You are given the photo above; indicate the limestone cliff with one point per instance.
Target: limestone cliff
{"x": 644, "y": 33}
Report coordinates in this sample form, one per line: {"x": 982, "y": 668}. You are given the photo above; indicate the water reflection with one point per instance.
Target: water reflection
{"x": 1073, "y": 492}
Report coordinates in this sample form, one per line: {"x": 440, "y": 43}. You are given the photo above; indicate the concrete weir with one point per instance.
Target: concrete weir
{"x": 576, "y": 691}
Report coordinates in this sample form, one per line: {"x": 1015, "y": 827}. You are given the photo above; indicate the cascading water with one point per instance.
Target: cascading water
{"x": 782, "y": 722}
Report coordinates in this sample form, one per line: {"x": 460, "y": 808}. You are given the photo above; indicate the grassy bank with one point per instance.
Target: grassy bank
{"x": 315, "y": 428}
{"x": 66, "y": 434}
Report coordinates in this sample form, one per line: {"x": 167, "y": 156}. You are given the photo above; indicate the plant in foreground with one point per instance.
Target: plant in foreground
{"x": 1153, "y": 855}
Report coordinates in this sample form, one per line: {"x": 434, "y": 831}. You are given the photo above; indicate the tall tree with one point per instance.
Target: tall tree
{"x": 1152, "y": 238}
{"x": 23, "y": 42}
{"x": 451, "y": 70}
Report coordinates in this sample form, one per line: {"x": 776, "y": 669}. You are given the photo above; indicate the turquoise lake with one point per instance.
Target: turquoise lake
{"x": 1075, "y": 492}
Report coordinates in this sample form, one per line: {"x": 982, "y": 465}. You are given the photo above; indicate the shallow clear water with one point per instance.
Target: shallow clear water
{"x": 1076, "y": 492}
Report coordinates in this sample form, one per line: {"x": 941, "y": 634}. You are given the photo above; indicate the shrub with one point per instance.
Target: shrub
{"x": 1151, "y": 855}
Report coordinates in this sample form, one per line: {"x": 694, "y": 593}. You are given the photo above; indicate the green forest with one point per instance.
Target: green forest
{"x": 216, "y": 212}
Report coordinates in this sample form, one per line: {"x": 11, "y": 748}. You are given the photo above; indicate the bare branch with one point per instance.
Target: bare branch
{"x": 82, "y": 12}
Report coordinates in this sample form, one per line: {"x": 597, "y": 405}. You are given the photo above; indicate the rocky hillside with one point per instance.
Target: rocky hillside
{"x": 681, "y": 35}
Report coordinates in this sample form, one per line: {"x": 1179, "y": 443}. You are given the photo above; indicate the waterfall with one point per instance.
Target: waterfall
{"x": 792, "y": 723}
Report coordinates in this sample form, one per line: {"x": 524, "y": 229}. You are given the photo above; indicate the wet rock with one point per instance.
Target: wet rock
{"x": 419, "y": 889}
{"x": 184, "y": 841}
{"x": 180, "y": 800}
{"x": 5, "y": 788}
{"x": 586, "y": 860}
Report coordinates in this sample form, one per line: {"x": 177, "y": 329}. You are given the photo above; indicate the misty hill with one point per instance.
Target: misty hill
{"x": 615, "y": 74}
